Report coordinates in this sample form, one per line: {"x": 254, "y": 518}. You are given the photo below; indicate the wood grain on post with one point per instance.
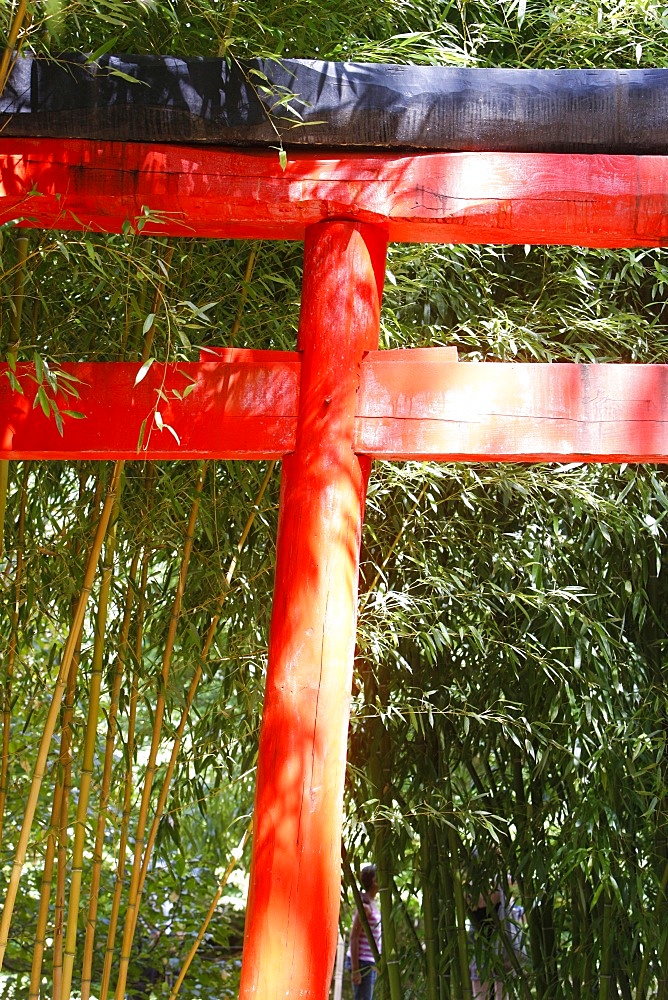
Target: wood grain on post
{"x": 295, "y": 878}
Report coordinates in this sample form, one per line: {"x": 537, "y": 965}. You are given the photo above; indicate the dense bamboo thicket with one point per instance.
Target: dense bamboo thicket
{"x": 509, "y": 703}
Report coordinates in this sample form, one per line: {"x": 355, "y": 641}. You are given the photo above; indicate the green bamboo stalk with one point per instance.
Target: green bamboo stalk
{"x": 52, "y": 715}
{"x": 408, "y": 921}
{"x": 105, "y": 791}
{"x": 190, "y": 696}
{"x": 449, "y": 976}
{"x": 155, "y": 305}
{"x": 586, "y": 897}
{"x": 544, "y": 912}
{"x": 508, "y": 950}
{"x": 642, "y": 983}
{"x": 132, "y": 913}
{"x": 236, "y": 855}
{"x": 380, "y": 765}
{"x": 90, "y": 741}
{"x": 18, "y": 294}
{"x": 606, "y": 948}
{"x": 577, "y": 938}
{"x": 128, "y": 784}
{"x": 523, "y": 821}
{"x": 133, "y": 267}
{"x": 450, "y": 980}
{"x": 11, "y": 652}
{"x": 661, "y": 905}
{"x": 20, "y": 274}
{"x": 429, "y": 911}
{"x": 460, "y": 907}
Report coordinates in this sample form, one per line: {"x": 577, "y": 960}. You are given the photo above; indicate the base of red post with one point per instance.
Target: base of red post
{"x": 293, "y": 905}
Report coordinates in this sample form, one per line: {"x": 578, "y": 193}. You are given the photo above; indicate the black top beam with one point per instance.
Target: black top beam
{"x": 336, "y": 105}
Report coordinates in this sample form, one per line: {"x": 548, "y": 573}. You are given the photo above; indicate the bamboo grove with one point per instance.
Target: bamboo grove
{"x": 509, "y": 701}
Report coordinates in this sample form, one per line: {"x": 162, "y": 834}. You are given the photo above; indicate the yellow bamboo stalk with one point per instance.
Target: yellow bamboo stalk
{"x": 225, "y": 40}
{"x": 128, "y": 784}
{"x": 176, "y": 747}
{"x": 250, "y": 267}
{"x": 90, "y": 741}
{"x": 11, "y": 652}
{"x": 55, "y": 839}
{"x": 64, "y": 784}
{"x": 6, "y": 61}
{"x": 52, "y": 715}
{"x": 62, "y": 795}
{"x": 105, "y": 791}
{"x": 236, "y": 855}
{"x": 151, "y": 767}
{"x": 64, "y": 788}
{"x": 45, "y": 895}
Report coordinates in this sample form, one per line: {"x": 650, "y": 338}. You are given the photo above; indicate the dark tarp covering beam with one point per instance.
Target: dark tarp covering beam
{"x": 336, "y": 105}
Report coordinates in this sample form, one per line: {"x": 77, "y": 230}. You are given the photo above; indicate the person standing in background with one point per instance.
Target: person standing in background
{"x": 362, "y": 963}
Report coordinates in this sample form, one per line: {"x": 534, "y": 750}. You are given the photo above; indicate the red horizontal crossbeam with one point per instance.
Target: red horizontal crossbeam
{"x": 512, "y": 412}
{"x": 548, "y": 198}
{"x": 244, "y": 407}
{"x": 416, "y": 404}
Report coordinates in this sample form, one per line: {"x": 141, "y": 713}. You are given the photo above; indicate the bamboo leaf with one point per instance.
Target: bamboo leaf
{"x": 102, "y": 50}
{"x": 57, "y": 418}
{"x": 43, "y": 400}
{"x": 126, "y": 76}
{"x": 142, "y": 431}
{"x": 171, "y": 430}
{"x": 143, "y": 371}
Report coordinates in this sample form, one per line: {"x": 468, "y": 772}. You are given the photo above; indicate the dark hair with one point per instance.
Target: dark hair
{"x": 367, "y": 875}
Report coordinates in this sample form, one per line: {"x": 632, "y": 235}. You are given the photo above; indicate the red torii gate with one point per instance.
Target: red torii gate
{"x": 328, "y": 410}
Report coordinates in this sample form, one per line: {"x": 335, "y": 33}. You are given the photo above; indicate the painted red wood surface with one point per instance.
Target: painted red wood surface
{"x": 574, "y": 199}
{"x": 295, "y": 877}
{"x": 512, "y": 412}
{"x": 411, "y": 404}
{"x": 242, "y": 406}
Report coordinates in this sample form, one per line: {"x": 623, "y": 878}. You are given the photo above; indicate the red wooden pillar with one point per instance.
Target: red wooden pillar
{"x": 293, "y": 904}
